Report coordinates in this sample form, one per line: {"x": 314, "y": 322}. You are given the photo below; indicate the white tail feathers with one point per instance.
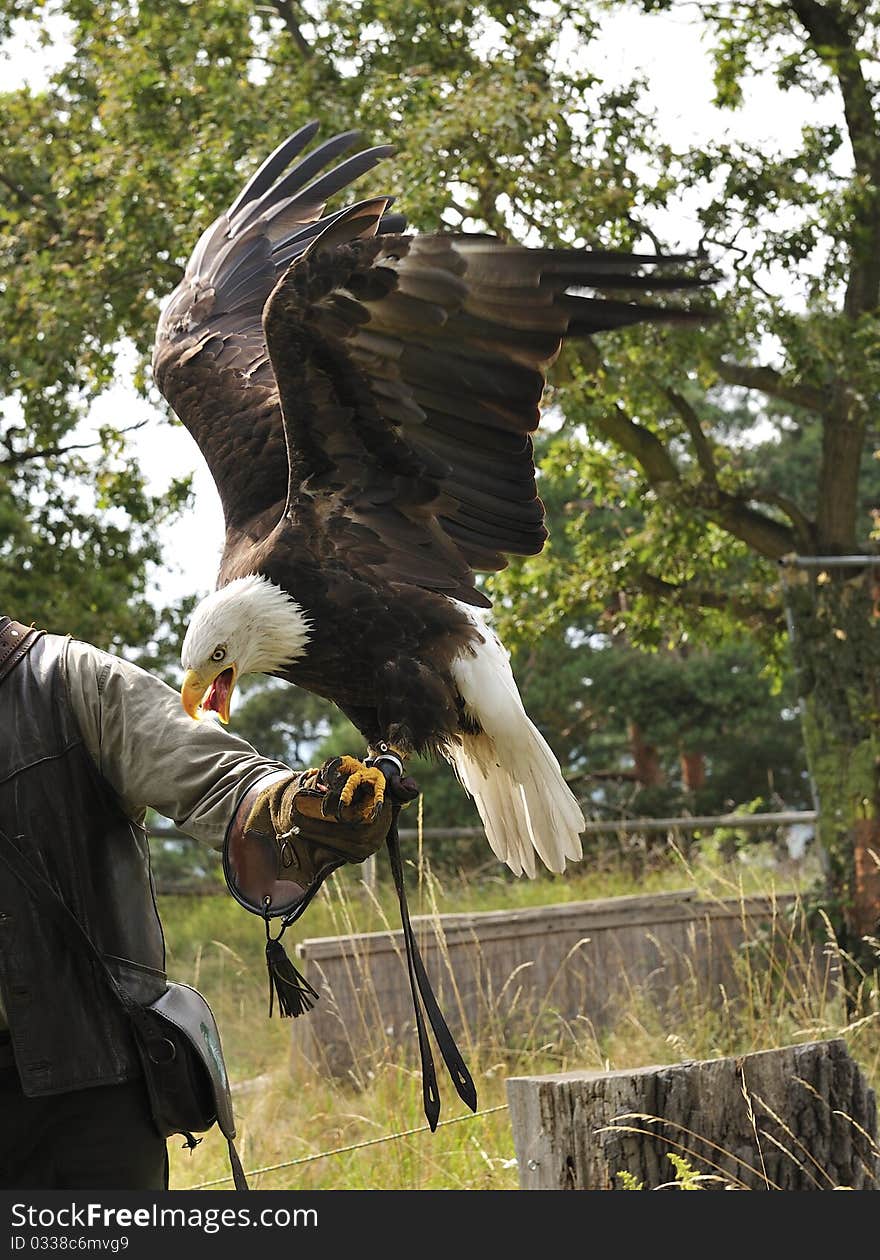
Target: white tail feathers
{"x": 509, "y": 769}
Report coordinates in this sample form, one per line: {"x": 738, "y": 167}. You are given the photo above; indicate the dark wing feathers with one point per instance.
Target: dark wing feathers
{"x": 382, "y": 385}
{"x": 210, "y": 358}
{"x": 337, "y": 179}
{"x": 277, "y": 162}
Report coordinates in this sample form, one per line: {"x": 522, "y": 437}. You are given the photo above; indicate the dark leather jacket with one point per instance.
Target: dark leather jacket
{"x": 67, "y": 1029}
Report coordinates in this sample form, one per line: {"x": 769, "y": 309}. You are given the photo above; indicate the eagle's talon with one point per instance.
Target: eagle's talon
{"x": 349, "y": 765}
{"x": 369, "y": 775}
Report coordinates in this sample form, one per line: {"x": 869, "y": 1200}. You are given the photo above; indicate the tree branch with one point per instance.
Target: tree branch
{"x": 615, "y": 425}
{"x": 489, "y": 212}
{"x": 644, "y": 446}
{"x": 732, "y": 512}
{"x": 804, "y": 526}
{"x": 531, "y": 219}
{"x": 702, "y": 445}
{"x": 44, "y": 452}
{"x": 832, "y": 35}
{"x": 769, "y": 381}
{"x": 284, "y": 9}
{"x": 14, "y": 458}
{"x": 834, "y": 44}
{"x": 699, "y": 597}
{"x": 645, "y": 231}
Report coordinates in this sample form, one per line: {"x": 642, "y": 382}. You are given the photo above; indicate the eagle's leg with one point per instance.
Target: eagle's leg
{"x": 367, "y": 721}
{"x": 390, "y": 760}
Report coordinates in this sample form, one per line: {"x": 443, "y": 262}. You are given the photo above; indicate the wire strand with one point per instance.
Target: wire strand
{"x": 343, "y": 1150}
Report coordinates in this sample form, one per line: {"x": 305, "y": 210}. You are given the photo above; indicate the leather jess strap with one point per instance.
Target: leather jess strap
{"x": 16, "y": 641}
{"x": 422, "y": 992}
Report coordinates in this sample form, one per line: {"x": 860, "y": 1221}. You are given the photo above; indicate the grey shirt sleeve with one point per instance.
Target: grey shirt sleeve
{"x": 151, "y": 752}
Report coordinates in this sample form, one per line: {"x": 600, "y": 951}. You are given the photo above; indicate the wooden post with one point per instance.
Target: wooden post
{"x": 798, "y": 1118}
{"x": 370, "y": 873}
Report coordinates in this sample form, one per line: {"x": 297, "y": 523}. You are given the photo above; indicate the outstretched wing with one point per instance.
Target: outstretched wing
{"x": 210, "y": 359}
{"x": 410, "y": 371}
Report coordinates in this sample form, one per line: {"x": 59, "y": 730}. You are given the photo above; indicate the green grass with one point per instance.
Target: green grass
{"x": 288, "y": 1111}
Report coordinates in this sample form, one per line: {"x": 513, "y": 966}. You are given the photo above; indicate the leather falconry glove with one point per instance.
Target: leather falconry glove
{"x": 322, "y": 816}
{"x": 288, "y": 834}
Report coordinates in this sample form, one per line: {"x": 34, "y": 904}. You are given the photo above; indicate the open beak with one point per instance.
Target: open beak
{"x": 204, "y": 692}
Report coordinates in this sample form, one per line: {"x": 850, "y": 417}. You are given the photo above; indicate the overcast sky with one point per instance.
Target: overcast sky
{"x": 664, "y": 48}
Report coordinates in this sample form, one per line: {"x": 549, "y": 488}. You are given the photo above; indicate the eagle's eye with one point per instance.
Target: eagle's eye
{"x": 218, "y": 654}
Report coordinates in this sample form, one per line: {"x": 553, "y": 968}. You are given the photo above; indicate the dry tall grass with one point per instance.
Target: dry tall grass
{"x": 332, "y": 1129}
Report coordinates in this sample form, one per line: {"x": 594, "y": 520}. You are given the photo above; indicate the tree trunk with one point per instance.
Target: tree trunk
{"x": 836, "y": 647}
{"x": 649, "y": 772}
{"x": 799, "y": 1118}
{"x": 693, "y": 770}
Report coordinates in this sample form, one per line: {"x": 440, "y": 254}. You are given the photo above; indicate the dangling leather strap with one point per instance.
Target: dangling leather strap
{"x": 421, "y": 988}
{"x": 430, "y": 1092}
{"x": 16, "y": 641}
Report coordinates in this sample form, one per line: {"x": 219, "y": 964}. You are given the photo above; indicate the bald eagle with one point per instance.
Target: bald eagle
{"x": 364, "y": 399}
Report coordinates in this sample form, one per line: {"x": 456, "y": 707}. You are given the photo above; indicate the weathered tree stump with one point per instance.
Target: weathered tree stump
{"x": 799, "y": 1118}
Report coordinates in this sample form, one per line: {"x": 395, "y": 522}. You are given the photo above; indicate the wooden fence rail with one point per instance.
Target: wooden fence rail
{"x": 207, "y": 859}
{"x": 593, "y": 826}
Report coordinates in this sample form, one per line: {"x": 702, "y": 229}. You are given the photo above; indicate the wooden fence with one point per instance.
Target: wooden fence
{"x": 508, "y": 978}
{"x": 184, "y": 866}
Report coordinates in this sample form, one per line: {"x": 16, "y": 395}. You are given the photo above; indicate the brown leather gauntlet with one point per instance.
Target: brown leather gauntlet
{"x": 292, "y": 830}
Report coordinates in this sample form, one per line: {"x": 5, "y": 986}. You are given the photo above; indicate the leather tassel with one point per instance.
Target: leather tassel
{"x": 295, "y": 994}
{"x": 238, "y": 1174}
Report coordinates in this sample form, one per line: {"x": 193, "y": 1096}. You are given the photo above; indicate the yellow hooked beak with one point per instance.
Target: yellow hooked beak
{"x": 209, "y": 690}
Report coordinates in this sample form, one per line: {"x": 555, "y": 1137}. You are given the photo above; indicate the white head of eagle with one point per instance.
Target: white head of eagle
{"x": 249, "y": 626}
